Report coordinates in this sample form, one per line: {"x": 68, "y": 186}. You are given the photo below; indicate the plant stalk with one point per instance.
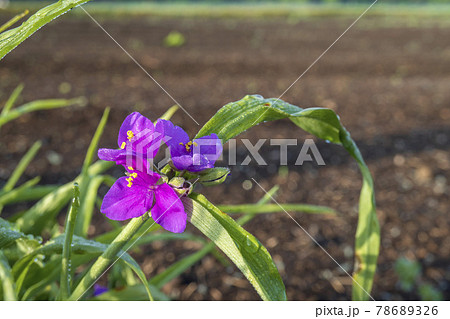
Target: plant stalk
{"x": 108, "y": 258}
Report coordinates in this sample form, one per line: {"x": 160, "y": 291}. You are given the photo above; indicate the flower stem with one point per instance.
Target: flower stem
{"x": 67, "y": 248}
{"x": 109, "y": 256}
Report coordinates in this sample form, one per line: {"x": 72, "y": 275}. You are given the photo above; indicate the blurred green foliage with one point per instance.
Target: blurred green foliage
{"x": 409, "y": 273}
{"x": 174, "y": 39}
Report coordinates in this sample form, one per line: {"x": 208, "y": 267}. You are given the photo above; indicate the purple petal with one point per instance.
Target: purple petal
{"x": 173, "y": 136}
{"x": 182, "y": 162}
{"x": 169, "y": 210}
{"x": 123, "y": 202}
{"x": 193, "y": 163}
{"x": 135, "y": 122}
{"x": 209, "y": 146}
{"x": 99, "y": 289}
{"x": 108, "y": 154}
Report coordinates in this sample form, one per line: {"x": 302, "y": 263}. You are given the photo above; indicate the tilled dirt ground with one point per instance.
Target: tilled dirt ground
{"x": 390, "y": 87}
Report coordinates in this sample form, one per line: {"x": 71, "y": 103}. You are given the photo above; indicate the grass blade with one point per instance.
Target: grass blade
{"x": 7, "y": 279}
{"x": 67, "y": 247}
{"x": 39, "y": 105}
{"x": 12, "y": 38}
{"x": 44, "y": 211}
{"x": 94, "y": 142}
{"x": 20, "y": 168}
{"x": 274, "y": 208}
{"x": 240, "y": 246}
{"x": 12, "y": 99}
{"x": 14, "y": 195}
{"x": 87, "y": 186}
{"x": 13, "y": 20}
{"x": 26, "y": 192}
{"x": 107, "y": 258}
{"x": 87, "y": 206}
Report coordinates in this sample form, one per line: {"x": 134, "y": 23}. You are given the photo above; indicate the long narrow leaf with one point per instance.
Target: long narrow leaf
{"x": 87, "y": 206}
{"x": 10, "y": 196}
{"x": 10, "y": 22}
{"x": 248, "y": 254}
{"x": 80, "y": 246}
{"x": 20, "y": 168}
{"x": 40, "y": 105}
{"x": 12, "y": 99}
{"x": 88, "y": 188}
{"x": 26, "y": 192}
{"x": 9, "y": 234}
{"x": 12, "y": 38}
{"x": 274, "y": 208}
{"x": 180, "y": 266}
{"x": 236, "y": 117}
{"x": 94, "y": 142}
{"x": 66, "y": 271}
{"x": 107, "y": 258}
{"x": 6, "y": 279}
{"x": 44, "y": 211}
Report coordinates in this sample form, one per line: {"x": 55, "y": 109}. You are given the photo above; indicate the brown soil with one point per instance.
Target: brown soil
{"x": 390, "y": 87}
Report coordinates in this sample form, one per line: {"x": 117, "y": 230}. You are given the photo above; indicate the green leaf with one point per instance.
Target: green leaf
{"x": 12, "y": 38}
{"x": 44, "y": 211}
{"x": 66, "y": 272}
{"x": 10, "y": 234}
{"x": 20, "y": 168}
{"x": 275, "y": 208}
{"x": 180, "y": 266}
{"x": 39, "y": 105}
{"x": 26, "y": 192}
{"x": 88, "y": 186}
{"x": 10, "y": 196}
{"x": 12, "y": 99}
{"x": 214, "y": 176}
{"x": 80, "y": 246}
{"x": 10, "y": 22}
{"x": 94, "y": 142}
{"x": 87, "y": 206}
{"x": 108, "y": 257}
{"x": 236, "y": 117}
{"x": 240, "y": 246}
{"x": 7, "y": 279}
{"x": 41, "y": 278}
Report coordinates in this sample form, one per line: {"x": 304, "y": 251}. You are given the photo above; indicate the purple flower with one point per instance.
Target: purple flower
{"x": 141, "y": 191}
{"x": 138, "y": 140}
{"x": 99, "y": 289}
{"x": 193, "y": 156}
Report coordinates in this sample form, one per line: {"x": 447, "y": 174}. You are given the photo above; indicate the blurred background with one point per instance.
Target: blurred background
{"x": 388, "y": 78}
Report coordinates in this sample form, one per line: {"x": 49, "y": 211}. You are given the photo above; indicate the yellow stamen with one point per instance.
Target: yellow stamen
{"x": 130, "y": 135}
{"x": 130, "y": 168}
{"x": 188, "y": 145}
{"x": 131, "y": 177}
{"x": 130, "y": 181}
{"x": 123, "y": 145}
